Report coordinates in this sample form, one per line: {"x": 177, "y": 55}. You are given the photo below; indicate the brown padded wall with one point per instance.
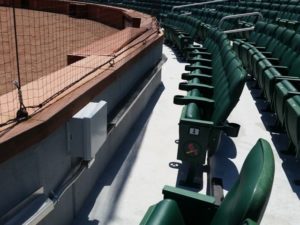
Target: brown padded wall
{"x": 110, "y": 16}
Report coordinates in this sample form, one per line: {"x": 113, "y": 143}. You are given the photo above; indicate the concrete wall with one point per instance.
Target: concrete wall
{"x": 48, "y": 162}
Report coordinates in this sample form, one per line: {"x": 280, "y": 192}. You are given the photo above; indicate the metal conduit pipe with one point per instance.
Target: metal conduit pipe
{"x": 196, "y": 4}
{"x": 56, "y": 195}
{"x": 239, "y": 30}
{"x": 186, "y": 14}
{"x": 47, "y": 204}
{"x": 258, "y": 14}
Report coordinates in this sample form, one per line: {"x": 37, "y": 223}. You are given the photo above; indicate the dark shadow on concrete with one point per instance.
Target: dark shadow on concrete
{"x": 291, "y": 168}
{"x": 280, "y": 139}
{"x": 267, "y": 116}
{"x": 221, "y": 165}
{"x": 121, "y": 166}
{"x": 177, "y": 54}
{"x": 290, "y": 165}
{"x": 227, "y": 147}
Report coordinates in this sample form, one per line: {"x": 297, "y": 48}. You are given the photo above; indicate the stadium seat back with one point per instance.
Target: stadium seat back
{"x": 294, "y": 68}
{"x": 295, "y": 42}
{"x": 236, "y": 78}
{"x": 222, "y": 102}
{"x": 281, "y": 92}
{"x": 283, "y": 43}
{"x": 287, "y": 58}
{"x": 266, "y": 37}
{"x": 275, "y": 6}
{"x": 250, "y": 194}
{"x": 193, "y": 111}
{"x": 275, "y": 39}
{"x": 292, "y": 52}
{"x": 287, "y": 36}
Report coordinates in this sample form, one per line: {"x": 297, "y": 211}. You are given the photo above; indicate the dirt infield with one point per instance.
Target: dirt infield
{"x": 44, "y": 41}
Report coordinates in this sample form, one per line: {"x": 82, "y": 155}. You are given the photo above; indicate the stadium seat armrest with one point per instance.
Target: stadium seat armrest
{"x": 267, "y": 54}
{"x": 261, "y": 48}
{"x": 204, "y": 78}
{"x": 199, "y": 48}
{"x": 195, "y": 47}
{"x": 183, "y": 33}
{"x": 289, "y": 78}
{"x": 193, "y": 206}
{"x": 202, "y": 102}
{"x": 186, "y": 38}
{"x": 207, "y": 90}
{"x": 274, "y": 61}
{"x": 206, "y": 69}
{"x": 205, "y": 103}
{"x": 202, "y": 68}
{"x": 282, "y": 69}
{"x": 170, "y": 192}
{"x": 205, "y": 62}
{"x": 205, "y": 53}
{"x": 202, "y": 53}
{"x": 292, "y": 93}
{"x": 198, "y": 123}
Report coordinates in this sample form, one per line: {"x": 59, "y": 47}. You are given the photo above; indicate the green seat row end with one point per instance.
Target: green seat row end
{"x": 213, "y": 89}
{"x": 246, "y": 201}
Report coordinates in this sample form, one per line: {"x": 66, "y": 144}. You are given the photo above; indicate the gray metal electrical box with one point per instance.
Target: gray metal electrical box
{"x": 87, "y": 130}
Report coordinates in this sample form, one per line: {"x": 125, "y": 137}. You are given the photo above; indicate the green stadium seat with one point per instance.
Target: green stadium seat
{"x": 246, "y": 200}
{"x": 270, "y": 55}
{"x": 284, "y": 90}
{"x": 290, "y": 61}
{"x": 278, "y": 57}
{"x": 292, "y": 122}
{"x": 260, "y": 38}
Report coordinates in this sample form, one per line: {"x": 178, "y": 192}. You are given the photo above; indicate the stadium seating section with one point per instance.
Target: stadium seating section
{"x": 259, "y": 38}
{"x": 269, "y": 53}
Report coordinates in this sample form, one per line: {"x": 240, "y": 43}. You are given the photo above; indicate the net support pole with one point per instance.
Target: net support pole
{"x": 22, "y": 113}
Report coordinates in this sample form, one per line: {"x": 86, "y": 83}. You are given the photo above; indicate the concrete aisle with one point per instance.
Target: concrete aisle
{"x": 142, "y": 167}
{"x": 284, "y": 204}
